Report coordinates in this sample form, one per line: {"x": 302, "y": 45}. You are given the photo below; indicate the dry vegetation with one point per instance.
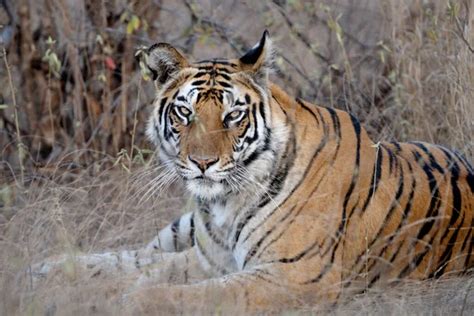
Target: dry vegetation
{"x": 74, "y": 163}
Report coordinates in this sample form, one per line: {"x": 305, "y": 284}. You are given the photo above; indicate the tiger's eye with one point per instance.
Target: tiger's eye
{"x": 234, "y": 117}
{"x": 183, "y": 110}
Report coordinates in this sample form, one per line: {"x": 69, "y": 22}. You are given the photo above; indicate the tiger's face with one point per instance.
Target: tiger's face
{"x": 212, "y": 120}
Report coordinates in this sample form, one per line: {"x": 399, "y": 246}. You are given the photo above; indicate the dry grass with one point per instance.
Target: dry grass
{"x": 86, "y": 214}
{"x": 406, "y": 68}
{"x": 76, "y": 213}
{"x": 434, "y": 69}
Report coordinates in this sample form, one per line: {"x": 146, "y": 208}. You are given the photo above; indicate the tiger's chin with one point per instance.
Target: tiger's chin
{"x": 206, "y": 189}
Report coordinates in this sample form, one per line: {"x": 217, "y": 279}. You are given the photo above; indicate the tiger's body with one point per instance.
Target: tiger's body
{"x": 296, "y": 204}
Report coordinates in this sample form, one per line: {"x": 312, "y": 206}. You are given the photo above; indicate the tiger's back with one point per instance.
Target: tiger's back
{"x": 421, "y": 223}
{"x": 372, "y": 212}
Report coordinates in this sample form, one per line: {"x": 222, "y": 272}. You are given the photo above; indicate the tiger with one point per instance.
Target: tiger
{"x": 294, "y": 203}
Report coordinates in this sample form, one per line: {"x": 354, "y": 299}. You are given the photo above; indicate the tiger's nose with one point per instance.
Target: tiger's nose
{"x": 203, "y": 163}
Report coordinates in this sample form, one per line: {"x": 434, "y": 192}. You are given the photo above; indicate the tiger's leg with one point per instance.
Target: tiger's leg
{"x": 177, "y": 236}
{"x": 172, "y": 268}
{"x": 263, "y": 288}
{"x": 89, "y": 265}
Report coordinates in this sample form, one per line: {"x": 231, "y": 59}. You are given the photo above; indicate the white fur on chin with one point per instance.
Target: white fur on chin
{"x": 205, "y": 190}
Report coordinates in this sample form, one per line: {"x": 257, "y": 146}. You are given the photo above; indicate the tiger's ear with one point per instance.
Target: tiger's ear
{"x": 258, "y": 61}
{"x": 164, "y": 60}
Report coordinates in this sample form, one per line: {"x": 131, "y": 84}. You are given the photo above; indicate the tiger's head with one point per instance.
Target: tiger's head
{"x": 212, "y": 122}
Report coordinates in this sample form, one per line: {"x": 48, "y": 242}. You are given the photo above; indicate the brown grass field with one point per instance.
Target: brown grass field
{"x": 75, "y": 167}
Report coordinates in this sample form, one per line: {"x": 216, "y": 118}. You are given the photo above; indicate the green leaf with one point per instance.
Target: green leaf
{"x": 133, "y": 24}
{"x": 50, "y": 41}
{"x": 6, "y": 195}
{"x": 99, "y": 39}
{"x": 101, "y": 77}
{"x": 124, "y": 17}
{"x": 146, "y": 73}
{"x": 129, "y": 28}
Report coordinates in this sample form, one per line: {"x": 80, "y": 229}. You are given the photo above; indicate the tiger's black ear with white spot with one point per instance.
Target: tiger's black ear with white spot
{"x": 258, "y": 61}
{"x": 164, "y": 60}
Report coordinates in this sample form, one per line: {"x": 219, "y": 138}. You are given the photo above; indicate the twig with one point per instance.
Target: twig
{"x": 461, "y": 31}
{"x": 15, "y": 113}
{"x": 74, "y": 61}
{"x": 50, "y": 110}
{"x": 300, "y": 35}
{"x": 238, "y": 44}
{"x": 135, "y": 121}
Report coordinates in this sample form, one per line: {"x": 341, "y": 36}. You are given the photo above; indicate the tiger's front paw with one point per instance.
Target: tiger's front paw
{"x": 62, "y": 266}
{"x": 70, "y": 267}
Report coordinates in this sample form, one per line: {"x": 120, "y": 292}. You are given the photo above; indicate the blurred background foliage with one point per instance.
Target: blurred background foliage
{"x": 72, "y": 92}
